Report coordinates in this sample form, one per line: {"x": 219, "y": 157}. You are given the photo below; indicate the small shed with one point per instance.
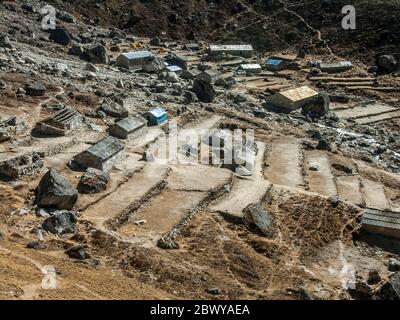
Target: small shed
{"x": 241, "y": 50}
{"x": 293, "y": 99}
{"x": 157, "y": 116}
{"x": 104, "y": 155}
{"x": 251, "y": 68}
{"x": 128, "y": 127}
{"x": 336, "y": 67}
{"x": 382, "y": 222}
{"x": 61, "y": 123}
{"x": 274, "y": 64}
{"x": 133, "y": 59}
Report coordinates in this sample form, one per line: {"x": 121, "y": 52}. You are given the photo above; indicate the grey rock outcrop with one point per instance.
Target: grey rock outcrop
{"x": 204, "y": 90}
{"x": 113, "y": 109}
{"x": 54, "y": 191}
{"x": 60, "y": 223}
{"x": 93, "y": 181}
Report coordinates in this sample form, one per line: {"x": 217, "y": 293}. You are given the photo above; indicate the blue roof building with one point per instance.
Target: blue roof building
{"x": 274, "y": 64}
{"x": 157, "y": 116}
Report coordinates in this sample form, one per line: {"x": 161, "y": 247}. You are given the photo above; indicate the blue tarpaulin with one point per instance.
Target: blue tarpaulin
{"x": 274, "y": 62}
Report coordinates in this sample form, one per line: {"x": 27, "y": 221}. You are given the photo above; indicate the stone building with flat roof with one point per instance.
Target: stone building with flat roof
{"x": 104, "y": 155}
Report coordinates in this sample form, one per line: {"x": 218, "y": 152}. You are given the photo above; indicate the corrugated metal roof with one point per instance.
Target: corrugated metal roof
{"x": 137, "y": 54}
{"x": 231, "y": 47}
{"x": 131, "y": 124}
{"x": 158, "y": 112}
{"x": 174, "y": 68}
{"x": 298, "y": 94}
{"x": 381, "y": 218}
{"x": 340, "y": 64}
{"x": 106, "y": 148}
{"x": 250, "y": 66}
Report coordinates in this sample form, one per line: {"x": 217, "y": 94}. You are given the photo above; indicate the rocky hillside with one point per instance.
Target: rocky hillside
{"x": 269, "y": 25}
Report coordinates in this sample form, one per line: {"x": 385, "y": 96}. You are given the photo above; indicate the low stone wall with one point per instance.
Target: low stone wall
{"x": 29, "y": 164}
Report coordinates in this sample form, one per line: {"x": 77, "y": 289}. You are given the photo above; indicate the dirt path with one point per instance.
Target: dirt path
{"x": 349, "y": 189}
{"x": 284, "y": 164}
{"x": 321, "y": 181}
{"x": 164, "y": 210}
{"x": 133, "y": 190}
{"x": 374, "y": 194}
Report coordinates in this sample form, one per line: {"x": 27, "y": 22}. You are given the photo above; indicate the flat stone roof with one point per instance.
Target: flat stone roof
{"x": 299, "y": 94}
{"x": 106, "y": 148}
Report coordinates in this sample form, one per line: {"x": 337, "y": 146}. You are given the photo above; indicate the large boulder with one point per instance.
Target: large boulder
{"x": 387, "y": 63}
{"x": 256, "y": 216}
{"x": 61, "y": 222}
{"x": 204, "y": 90}
{"x": 317, "y": 107}
{"x": 113, "y": 109}
{"x": 93, "y": 181}
{"x": 65, "y": 16}
{"x": 77, "y": 252}
{"x": 54, "y": 191}
{"x": 60, "y": 36}
{"x": 391, "y": 289}
{"x": 76, "y": 50}
{"x": 97, "y": 54}
{"x": 35, "y": 89}
{"x": 153, "y": 64}
{"x": 5, "y": 42}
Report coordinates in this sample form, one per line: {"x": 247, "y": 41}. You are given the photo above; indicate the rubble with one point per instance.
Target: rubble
{"x": 11, "y": 128}
{"x": 54, "y": 191}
